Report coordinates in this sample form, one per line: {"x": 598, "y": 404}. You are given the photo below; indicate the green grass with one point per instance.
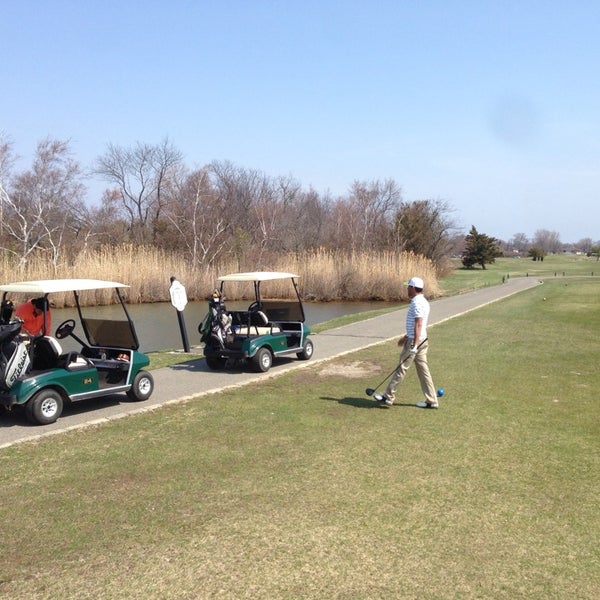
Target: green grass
{"x": 300, "y": 487}
{"x": 554, "y": 265}
{"x": 163, "y": 358}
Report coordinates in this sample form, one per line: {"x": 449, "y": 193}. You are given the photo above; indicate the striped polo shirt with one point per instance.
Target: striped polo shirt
{"x": 419, "y": 307}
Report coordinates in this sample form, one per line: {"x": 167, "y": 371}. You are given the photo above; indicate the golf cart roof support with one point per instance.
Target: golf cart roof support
{"x": 256, "y": 277}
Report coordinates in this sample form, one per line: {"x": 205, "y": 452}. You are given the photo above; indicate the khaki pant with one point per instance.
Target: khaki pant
{"x": 420, "y": 360}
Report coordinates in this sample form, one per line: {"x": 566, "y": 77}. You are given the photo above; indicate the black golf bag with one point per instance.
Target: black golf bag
{"x": 14, "y": 356}
{"x": 216, "y": 327}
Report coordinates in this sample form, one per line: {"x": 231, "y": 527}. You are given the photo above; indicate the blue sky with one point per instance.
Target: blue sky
{"x": 491, "y": 106}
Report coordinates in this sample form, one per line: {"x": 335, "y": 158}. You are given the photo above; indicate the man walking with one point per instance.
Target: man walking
{"x": 414, "y": 349}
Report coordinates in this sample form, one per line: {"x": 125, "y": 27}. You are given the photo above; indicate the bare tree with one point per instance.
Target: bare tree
{"x": 304, "y": 221}
{"x": 362, "y": 220}
{"x": 104, "y": 224}
{"x": 584, "y": 245}
{"x": 267, "y": 212}
{"x": 43, "y": 205}
{"x": 548, "y": 241}
{"x": 199, "y": 217}
{"x": 520, "y": 243}
{"x": 141, "y": 175}
{"x": 7, "y": 160}
{"x": 247, "y": 196}
{"x": 238, "y": 187}
{"x": 274, "y": 210}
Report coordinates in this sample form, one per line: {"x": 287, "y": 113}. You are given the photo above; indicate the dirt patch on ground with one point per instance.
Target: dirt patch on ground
{"x": 358, "y": 369}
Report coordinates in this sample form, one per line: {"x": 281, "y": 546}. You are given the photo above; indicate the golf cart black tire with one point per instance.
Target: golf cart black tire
{"x": 216, "y": 363}
{"x": 45, "y": 407}
{"x": 307, "y": 351}
{"x": 262, "y": 360}
{"x": 142, "y": 387}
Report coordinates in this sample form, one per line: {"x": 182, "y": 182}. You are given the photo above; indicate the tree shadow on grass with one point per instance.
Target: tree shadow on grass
{"x": 365, "y": 402}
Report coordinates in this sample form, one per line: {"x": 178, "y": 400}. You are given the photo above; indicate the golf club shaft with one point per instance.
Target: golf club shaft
{"x": 395, "y": 368}
{"x": 380, "y": 384}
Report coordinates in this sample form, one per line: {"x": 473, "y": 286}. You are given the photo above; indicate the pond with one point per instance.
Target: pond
{"x": 157, "y": 324}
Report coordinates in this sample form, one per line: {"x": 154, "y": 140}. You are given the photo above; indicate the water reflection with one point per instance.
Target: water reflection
{"x": 157, "y": 325}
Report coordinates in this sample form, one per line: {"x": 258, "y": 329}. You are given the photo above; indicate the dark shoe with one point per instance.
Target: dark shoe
{"x": 427, "y": 405}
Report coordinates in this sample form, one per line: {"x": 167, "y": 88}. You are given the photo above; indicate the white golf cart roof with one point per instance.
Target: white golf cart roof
{"x": 257, "y": 276}
{"x": 47, "y": 286}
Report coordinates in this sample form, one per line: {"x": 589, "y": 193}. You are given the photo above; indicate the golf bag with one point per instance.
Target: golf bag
{"x": 14, "y": 357}
{"x": 216, "y": 328}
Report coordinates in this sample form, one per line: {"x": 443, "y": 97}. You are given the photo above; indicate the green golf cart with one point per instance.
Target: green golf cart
{"x": 38, "y": 377}
{"x": 266, "y": 329}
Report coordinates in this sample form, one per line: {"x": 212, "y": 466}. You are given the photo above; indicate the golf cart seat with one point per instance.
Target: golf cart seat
{"x": 256, "y": 319}
{"x": 48, "y": 354}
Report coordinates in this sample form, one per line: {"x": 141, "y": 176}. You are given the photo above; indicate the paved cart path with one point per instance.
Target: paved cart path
{"x": 193, "y": 378}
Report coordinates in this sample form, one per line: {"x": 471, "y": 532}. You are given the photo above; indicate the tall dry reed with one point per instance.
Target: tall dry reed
{"x": 324, "y": 275}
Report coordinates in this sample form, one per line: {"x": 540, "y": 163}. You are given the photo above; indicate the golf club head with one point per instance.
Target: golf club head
{"x": 369, "y": 391}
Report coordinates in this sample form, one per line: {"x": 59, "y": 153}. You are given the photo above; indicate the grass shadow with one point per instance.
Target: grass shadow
{"x": 365, "y": 402}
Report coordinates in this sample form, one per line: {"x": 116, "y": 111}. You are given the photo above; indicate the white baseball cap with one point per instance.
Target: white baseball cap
{"x": 416, "y": 282}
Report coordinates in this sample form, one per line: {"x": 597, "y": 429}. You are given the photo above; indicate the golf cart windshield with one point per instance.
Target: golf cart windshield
{"x": 108, "y": 333}
{"x": 99, "y": 332}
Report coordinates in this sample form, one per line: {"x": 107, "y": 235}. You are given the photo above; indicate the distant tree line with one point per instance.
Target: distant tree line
{"x": 545, "y": 242}
{"x": 221, "y": 210}
{"x": 213, "y": 212}
{"x": 481, "y": 249}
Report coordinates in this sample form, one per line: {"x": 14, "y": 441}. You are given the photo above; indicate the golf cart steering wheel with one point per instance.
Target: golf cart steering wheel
{"x": 65, "y": 329}
{"x": 254, "y": 307}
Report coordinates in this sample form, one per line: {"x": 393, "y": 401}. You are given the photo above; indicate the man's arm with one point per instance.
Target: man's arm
{"x": 418, "y": 327}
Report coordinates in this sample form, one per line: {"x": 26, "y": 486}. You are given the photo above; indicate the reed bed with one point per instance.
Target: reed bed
{"x": 324, "y": 275}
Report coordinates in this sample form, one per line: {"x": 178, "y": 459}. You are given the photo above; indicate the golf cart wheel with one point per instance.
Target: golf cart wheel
{"x": 307, "y": 350}
{"x": 45, "y": 407}
{"x": 262, "y": 360}
{"x": 216, "y": 362}
{"x": 142, "y": 387}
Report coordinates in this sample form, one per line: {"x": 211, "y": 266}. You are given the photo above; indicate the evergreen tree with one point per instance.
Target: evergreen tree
{"x": 537, "y": 253}
{"x": 480, "y": 249}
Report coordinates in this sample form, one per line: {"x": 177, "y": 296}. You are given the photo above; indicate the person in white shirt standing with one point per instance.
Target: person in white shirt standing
{"x": 414, "y": 349}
